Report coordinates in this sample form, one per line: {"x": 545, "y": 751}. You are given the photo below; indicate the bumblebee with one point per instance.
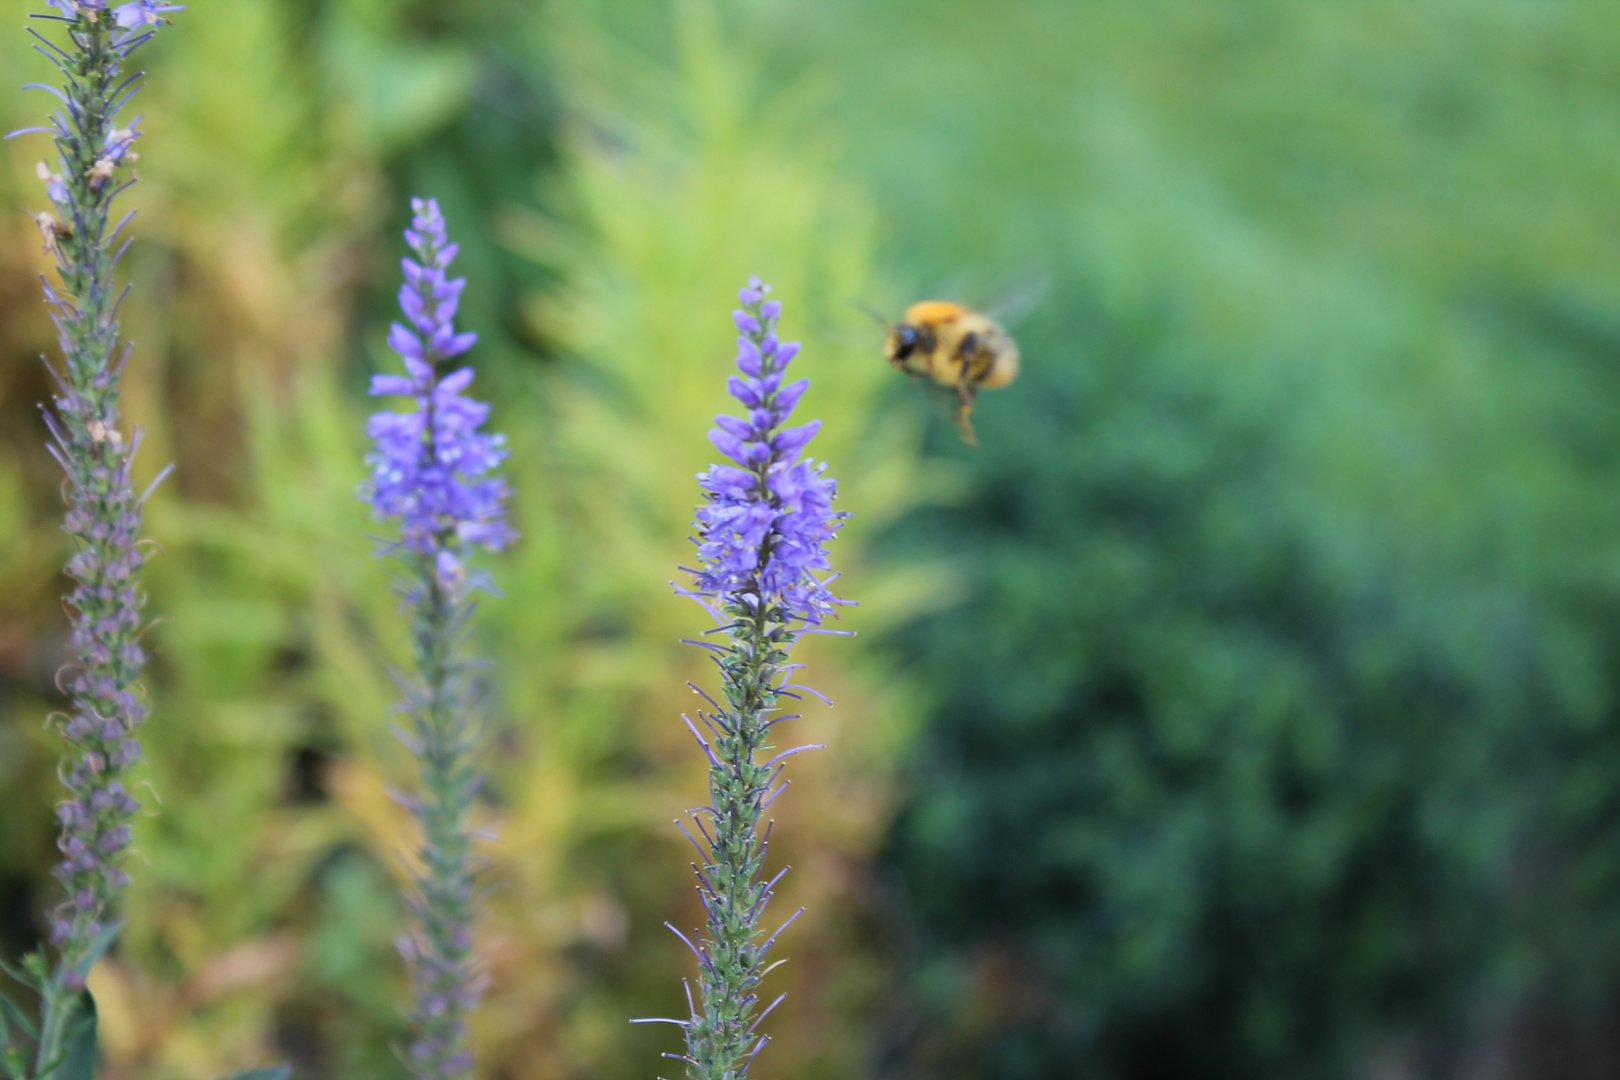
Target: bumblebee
{"x": 958, "y": 348}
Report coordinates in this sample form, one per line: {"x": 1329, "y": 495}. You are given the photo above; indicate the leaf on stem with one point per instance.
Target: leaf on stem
{"x": 78, "y": 1061}
{"x": 100, "y": 945}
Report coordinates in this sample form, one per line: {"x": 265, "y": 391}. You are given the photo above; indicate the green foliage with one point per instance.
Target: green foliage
{"x": 17, "y": 1034}
{"x": 1212, "y": 808}
{"x": 1272, "y": 730}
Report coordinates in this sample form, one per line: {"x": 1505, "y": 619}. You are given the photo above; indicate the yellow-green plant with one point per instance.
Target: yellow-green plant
{"x": 680, "y": 179}
{"x": 266, "y": 900}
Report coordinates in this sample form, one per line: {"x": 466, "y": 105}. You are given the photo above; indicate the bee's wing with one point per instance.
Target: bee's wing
{"x": 1013, "y": 303}
{"x": 1009, "y": 305}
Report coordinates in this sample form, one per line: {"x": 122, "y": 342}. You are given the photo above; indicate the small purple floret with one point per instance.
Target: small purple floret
{"x": 141, "y": 13}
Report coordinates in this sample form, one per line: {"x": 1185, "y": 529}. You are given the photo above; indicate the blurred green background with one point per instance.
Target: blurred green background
{"x": 1247, "y": 706}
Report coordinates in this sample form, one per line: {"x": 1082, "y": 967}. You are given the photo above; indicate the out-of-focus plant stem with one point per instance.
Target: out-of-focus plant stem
{"x": 441, "y": 952}
{"x": 104, "y": 513}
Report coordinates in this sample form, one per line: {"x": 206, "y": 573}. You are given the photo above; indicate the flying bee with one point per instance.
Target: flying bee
{"x": 958, "y": 348}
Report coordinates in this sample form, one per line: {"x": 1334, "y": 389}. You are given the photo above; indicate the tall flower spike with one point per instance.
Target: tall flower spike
{"x": 762, "y": 535}
{"x": 104, "y": 512}
{"x": 430, "y": 467}
{"x": 431, "y": 471}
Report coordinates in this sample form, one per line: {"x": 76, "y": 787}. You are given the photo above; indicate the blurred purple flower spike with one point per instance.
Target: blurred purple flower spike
{"x": 431, "y": 469}
{"x": 431, "y": 466}
{"x": 105, "y": 708}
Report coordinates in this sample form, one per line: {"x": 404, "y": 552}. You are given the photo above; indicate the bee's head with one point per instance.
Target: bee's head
{"x": 902, "y": 342}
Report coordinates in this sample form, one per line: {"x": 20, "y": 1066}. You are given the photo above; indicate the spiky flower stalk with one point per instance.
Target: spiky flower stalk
{"x": 763, "y": 531}
{"x": 94, "y": 159}
{"x": 431, "y": 471}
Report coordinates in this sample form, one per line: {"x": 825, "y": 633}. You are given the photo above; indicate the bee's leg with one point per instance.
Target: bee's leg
{"x": 965, "y": 394}
{"x": 966, "y": 388}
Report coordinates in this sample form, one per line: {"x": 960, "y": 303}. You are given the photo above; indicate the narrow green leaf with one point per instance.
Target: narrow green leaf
{"x": 13, "y": 1063}
{"x": 79, "y": 1060}
{"x": 97, "y": 947}
{"x": 22, "y": 975}
{"x": 38, "y": 967}
{"x": 12, "y": 1014}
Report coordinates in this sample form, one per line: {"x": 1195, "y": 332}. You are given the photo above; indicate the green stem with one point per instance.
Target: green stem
{"x": 721, "y": 1039}
{"x": 56, "y": 1010}
{"x": 442, "y": 951}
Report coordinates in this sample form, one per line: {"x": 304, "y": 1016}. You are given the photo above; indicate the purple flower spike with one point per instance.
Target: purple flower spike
{"x": 83, "y": 180}
{"x": 433, "y": 469}
{"x": 431, "y": 466}
{"x": 780, "y": 523}
{"x": 763, "y": 530}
